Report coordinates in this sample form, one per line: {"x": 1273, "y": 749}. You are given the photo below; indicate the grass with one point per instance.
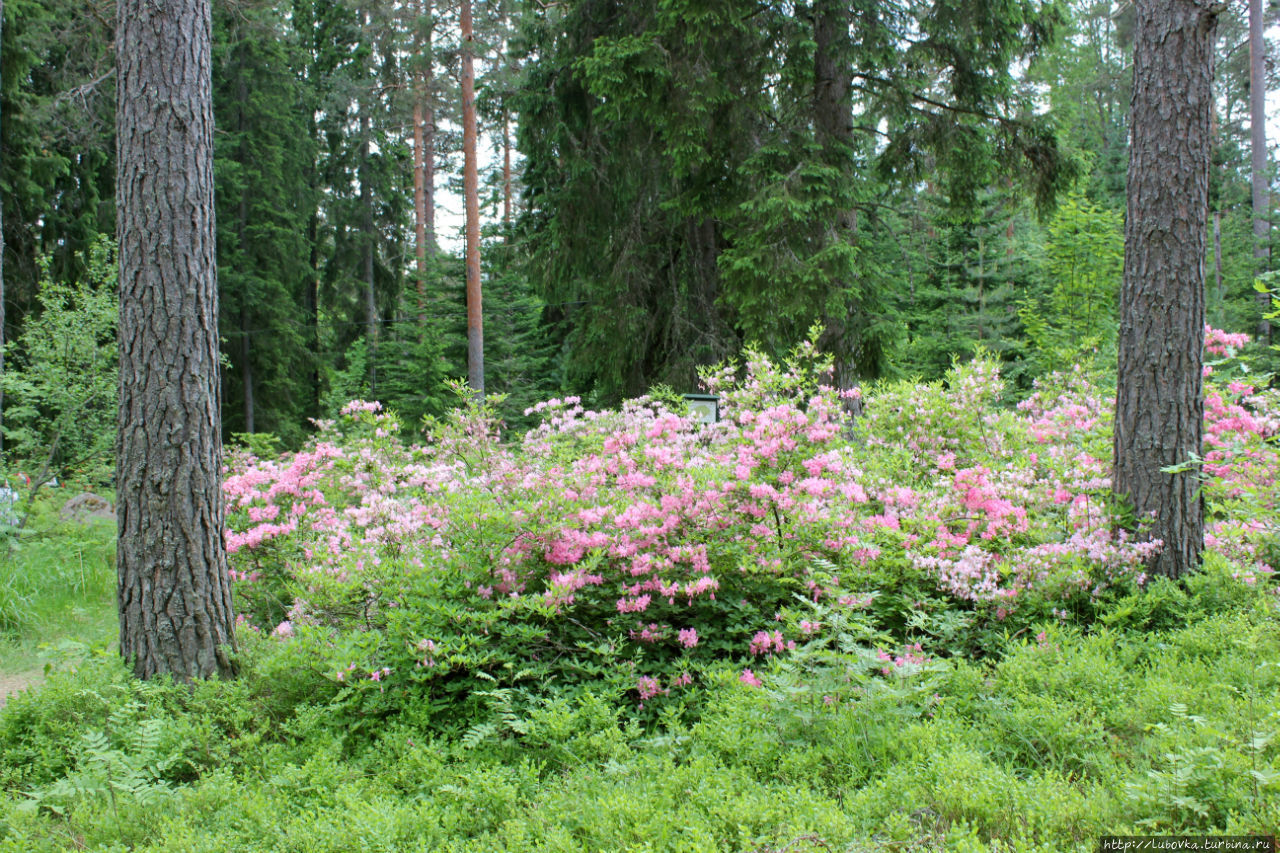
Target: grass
{"x": 57, "y": 587}
{"x": 1062, "y": 740}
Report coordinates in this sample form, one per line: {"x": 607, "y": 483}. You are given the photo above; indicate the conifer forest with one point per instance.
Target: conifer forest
{"x": 639, "y": 425}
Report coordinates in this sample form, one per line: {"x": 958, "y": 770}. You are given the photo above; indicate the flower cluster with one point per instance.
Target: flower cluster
{"x": 641, "y": 533}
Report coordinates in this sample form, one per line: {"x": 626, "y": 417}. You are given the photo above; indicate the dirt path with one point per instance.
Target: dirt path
{"x": 10, "y": 684}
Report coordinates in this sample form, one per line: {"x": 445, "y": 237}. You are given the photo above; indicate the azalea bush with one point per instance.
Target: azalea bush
{"x": 641, "y": 551}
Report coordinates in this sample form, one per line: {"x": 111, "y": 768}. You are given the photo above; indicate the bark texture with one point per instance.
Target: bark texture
{"x": 1258, "y": 157}
{"x": 174, "y": 594}
{"x": 471, "y": 189}
{"x": 2, "y": 320}
{"x": 1160, "y": 399}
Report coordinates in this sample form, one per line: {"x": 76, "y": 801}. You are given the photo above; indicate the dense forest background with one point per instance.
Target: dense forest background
{"x": 663, "y": 182}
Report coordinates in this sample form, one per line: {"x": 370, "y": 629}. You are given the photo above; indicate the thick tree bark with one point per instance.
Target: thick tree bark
{"x": 1258, "y": 146}
{"x": 1160, "y": 400}
{"x": 174, "y": 594}
{"x": 471, "y": 189}
{"x": 2, "y": 319}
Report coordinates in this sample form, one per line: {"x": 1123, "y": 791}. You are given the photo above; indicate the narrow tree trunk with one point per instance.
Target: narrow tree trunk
{"x": 506, "y": 124}
{"x": 242, "y": 227}
{"x": 1219, "y": 295}
{"x": 1008, "y": 246}
{"x": 471, "y": 189}
{"x": 506, "y": 173}
{"x": 429, "y": 136}
{"x": 174, "y": 593}
{"x": 246, "y": 372}
{"x": 1258, "y": 146}
{"x": 367, "y": 239}
{"x": 370, "y": 302}
{"x": 419, "y": 205}
{"x": 311, "y": 299}
{"x": 421, "y": 156}
{"x": 311, "y": 287}
{"x": 982, "y": 282}
{"x": 1159, "y": 401}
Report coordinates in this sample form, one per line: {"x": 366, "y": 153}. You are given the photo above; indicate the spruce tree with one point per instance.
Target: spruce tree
{"x": 744, "y": 147}
{"x": 264, "y": 158}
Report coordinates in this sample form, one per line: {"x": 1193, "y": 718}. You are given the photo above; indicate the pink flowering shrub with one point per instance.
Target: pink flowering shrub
{"x": 636, "y": 546}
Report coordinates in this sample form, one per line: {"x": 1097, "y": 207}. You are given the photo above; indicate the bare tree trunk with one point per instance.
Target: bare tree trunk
{"x": 174, "y": 594}
{"x": 982, "y": 284}
{"x": 367, "y": 237}
{"x": 2, "y": 319}
{"x": 311, "y": 300}
{"x": 1258, "y": 146}
{"x": 419, "y": 203}
{"x": 429, "y": 136}
{"x": 242, "y": 225}
{"x": 421, "y": 157}
{"x": 1160, "y": 401}
{"x": 1219, "y": 294}
{"x": 506, "y": 172}
{"x": 471, "y": 189}
{"x": 833, "y": 123}
{"x": 246, "y": 372}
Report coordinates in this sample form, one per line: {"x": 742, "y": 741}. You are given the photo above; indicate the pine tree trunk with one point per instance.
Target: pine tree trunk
{"x": 368, "y": 240}
{"x": 506, "y": 130}
{"x": 1258, "y": 146}
{"x": 174, "y": 593}
{"x": 506, "y": 173}
{"x": 419, "y": 202}
{"x": 471, "y": 189}
{"x": 1160, "y": 401}
{"x": 246, "y": 372}
{"x": 1219, "y": 294}
{"x": 242, "y": 226}
{"x": 422, "y": 157}
{"x": 982, "y": 282}
{"x": 311, "y": 298}
{"x": 429, "y": 138}
{"x": 311, "y": 287}
{"x": 2, "y": 318}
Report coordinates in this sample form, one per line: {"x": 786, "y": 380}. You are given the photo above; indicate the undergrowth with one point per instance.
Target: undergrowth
{"x": 975, "y": 664}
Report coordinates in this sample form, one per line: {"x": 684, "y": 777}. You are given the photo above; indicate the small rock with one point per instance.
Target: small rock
{"x": 86, "y": 506}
